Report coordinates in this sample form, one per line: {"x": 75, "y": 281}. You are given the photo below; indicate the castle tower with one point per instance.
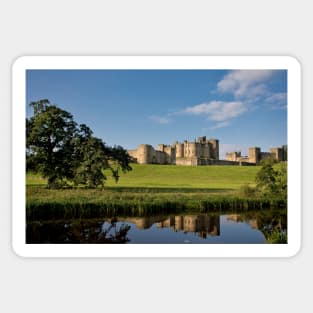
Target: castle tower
{"x": 284, "y": 147}
{"x": 277, "y": 153}
{"x": 179, "y": 150}
{"x": 202, "y": 139}
{"x": 205, "y": 150}
{"x": 192, "y": 148}
{"x": 254, "y": 155}
{"x": 170, "y": 154}
{"x": 161, "y": 147}
{"x": 145, "y": 154}
{"x": 215, "y": 149}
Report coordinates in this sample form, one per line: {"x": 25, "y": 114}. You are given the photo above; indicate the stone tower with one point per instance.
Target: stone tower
{"x": 254, "y": 155}
{"x": 179, "y": 150}
{"x": 215, "y": 151}
{"x": 145, "y": 154}
{"x": 285, "y": 152}
{"x": 277, "y": 153}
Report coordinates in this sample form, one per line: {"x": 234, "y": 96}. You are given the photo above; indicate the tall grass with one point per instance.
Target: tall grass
{"x": 150, "y": 189}
{"x": 107, "y": 203}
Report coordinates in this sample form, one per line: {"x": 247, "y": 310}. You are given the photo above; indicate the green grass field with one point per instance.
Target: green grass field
{"x": 178, "y": 177}
{"x": 169, "y": 176}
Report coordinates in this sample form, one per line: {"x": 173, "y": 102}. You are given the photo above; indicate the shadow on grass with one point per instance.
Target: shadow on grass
{"x": 168, "y": 189}
{"x": 140, "y": 189}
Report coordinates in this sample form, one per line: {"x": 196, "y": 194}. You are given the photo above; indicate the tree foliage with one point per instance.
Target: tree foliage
{"x": 89, "y": 157}
{"x": 63, "y": 151}
{"x": 271, "y": 182}
{"x": 49, "y": 141}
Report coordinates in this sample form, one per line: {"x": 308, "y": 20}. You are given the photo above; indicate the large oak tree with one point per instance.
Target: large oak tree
{"x": 63, "y": 152}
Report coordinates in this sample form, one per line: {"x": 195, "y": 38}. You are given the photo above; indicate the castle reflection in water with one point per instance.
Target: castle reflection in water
{"x": 202, "y": 225}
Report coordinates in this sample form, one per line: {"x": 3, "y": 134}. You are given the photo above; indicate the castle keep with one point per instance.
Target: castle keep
{"x": 201, "y": 152}
{"x": 198, "y": 152}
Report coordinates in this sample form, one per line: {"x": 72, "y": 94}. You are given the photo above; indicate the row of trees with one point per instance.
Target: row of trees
{"x": 64, "y": 152}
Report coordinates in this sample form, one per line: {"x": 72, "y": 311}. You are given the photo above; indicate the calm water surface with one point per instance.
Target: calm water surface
{"x": 252, "y": 228}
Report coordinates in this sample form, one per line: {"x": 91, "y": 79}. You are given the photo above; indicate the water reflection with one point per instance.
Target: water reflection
{"x": 202, "y": 225}
{"x": 77, "y": 231}
{"x": 260, "y": 227}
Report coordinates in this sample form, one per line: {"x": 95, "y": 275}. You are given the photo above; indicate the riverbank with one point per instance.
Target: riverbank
{"x": 150, "y": 189}
{"x": 42, "y": 203}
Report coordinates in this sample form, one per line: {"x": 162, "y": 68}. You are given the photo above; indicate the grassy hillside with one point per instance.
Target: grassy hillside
{"x": 169, "y": 176}
{"x": 221, "y": 177}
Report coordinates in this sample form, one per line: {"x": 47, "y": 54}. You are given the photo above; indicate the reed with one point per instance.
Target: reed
{"x": 43, "y": 210}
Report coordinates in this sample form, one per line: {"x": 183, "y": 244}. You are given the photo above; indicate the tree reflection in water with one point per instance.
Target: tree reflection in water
{"x": 77, "y": 232}
{"x": 272, "y": 223}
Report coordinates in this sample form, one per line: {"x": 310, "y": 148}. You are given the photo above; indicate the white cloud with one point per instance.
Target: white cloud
{"x": 248, "y": 84}
{"x": 220, "y": 125}
{"x": 216, "y": 126}
{"x": 277, "y": 101}
{"x": 160, "y": 119}
{"x": 248, "y": 89}
{"x": 217, "y": 111}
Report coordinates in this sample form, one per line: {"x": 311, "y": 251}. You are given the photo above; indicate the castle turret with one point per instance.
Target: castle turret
{"x": 179, "y": 150}
{"x": 205, "y": 150}
{"x": 202, "y": 139}
{"x": 161, "y": 147}
{"x": 254, "y": 155}
{"x": 214, "y": 148}
{"x": 277, "y": 154}
{"x": 284, "y": 147}
{"x": 145, "y": 154}
{"x": 170, "y": 154}
{"x": 191, "y": 149}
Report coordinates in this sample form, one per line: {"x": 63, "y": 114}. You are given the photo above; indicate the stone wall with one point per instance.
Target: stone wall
{"x": 192, "y": 161}
{"x": 266, "y": 155}
{"x": 233, "y": 156}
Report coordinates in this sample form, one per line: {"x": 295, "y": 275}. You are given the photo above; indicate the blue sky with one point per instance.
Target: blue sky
{"x": 241, "y": 108}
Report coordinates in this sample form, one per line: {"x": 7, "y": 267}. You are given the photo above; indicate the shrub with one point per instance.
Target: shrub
{"x": 248, "y": 191}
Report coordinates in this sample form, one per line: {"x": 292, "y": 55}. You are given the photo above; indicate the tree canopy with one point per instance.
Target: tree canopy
{"x": 64, "y": 152}
{"x": 270, "y": 181}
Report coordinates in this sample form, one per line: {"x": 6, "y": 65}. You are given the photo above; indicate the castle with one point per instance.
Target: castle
{"x": 201, "y": 152}
{"x": 198, "y": 152}
{"x": 256, "y": 155}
